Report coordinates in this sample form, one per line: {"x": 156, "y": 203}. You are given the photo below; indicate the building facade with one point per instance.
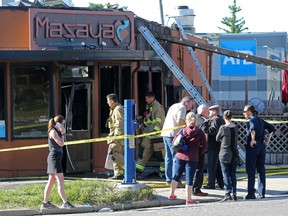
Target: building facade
{"x": 238, "y": 82}
{"x": 65, "y": 61}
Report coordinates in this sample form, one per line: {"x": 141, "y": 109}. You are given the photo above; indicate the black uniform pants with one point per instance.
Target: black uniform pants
{"x": 214, "y": 169}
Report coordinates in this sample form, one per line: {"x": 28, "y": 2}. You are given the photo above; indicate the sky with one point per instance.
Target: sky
{"x": 260, "y": 15}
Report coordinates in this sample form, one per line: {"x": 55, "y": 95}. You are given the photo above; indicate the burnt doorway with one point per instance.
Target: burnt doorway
{"x": 116, "y": 79}
{"x": 76, "y": 107}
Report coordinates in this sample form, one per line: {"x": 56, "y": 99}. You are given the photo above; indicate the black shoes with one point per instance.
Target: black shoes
{"x": 234, "y": 197}
{"x": 48, "y": 205}
{"x": 208, "y": 187}
{"x": 200, "y": 193}
{"x": 250, "y": 196}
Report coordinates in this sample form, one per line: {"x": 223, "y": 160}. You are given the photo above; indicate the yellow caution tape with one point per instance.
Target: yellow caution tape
{"x": 269, "y": 121}
{"x": 101, "y": 139}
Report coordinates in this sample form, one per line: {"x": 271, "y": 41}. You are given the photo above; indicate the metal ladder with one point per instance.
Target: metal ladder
{"x": 194, "y": 57}
{"x": 172, "y": 65}
{"x": 178, "y": 73}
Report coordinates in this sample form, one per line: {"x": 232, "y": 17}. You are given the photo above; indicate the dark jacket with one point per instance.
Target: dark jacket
{"x": 212, "y": 130}
{"x": 196, "y": 142}
{"x": 259, "y": 126}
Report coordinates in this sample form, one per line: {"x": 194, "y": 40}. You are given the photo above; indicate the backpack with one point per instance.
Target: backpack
{"x": 179, "y": 142}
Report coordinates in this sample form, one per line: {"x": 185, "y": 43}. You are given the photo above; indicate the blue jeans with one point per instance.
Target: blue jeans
{"x": 190, "y": 169}
{"x": 229, "y": 176}
{"x": 255, "y": 159}
{"x": 169, "y": 157}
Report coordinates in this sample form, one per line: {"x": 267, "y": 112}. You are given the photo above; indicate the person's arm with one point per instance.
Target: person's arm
{"x": 253, "y": 142}
{"x": 220, "y": 134}
{"x": 119, "y": 121}
{"x": 267, "y": 142}
{"x": 180, "y": 116}
{"x": 59, "y": 140}
{"x": 271, "y": 130}
{"x": 181, "y": 122}
{"x": 203, "y": 147}
{"x": 159, "y": 118}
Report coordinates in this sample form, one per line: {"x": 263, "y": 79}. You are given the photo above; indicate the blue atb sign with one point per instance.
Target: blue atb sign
{"x": 231, "y": 66}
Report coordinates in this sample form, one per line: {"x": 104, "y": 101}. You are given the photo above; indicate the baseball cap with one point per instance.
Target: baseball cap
{"x": 214, "y": 107}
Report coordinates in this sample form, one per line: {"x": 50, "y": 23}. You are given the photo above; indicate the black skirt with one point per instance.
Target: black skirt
{"x": 54, "y": 162}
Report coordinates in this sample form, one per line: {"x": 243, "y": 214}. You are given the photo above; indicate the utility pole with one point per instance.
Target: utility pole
{"x": 161, "y": 12}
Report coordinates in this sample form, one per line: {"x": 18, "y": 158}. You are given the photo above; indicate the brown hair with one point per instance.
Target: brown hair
{"x": 52, "y": 122}
{"x": 252, "y": 109}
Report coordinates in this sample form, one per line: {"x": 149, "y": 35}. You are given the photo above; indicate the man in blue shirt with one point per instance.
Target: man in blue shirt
{"x": 256, "y": 150}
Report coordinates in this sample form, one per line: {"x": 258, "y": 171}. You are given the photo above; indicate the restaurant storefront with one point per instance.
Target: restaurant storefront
{"x": 56, "y": 61}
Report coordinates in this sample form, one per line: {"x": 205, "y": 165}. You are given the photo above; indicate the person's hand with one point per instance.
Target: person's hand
{"x": 266, "y": 142}
{"x": 253, "y": 143}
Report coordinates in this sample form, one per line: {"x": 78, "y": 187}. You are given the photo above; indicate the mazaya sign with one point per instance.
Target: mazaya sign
{"x": 71, "y": 29}
{"x": 237, "y": 67}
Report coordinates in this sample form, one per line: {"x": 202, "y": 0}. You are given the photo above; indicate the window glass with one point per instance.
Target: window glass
{"x": 77, "y": 72}
{"x": 2, "y": 104}
{"x": 30, "y": 101}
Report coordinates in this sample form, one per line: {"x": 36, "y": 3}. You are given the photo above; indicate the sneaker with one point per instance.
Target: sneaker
{"x": 260, "y": 196}
{"x": 191, "y": 202}
{"x": 200, "y": 193}
{"x": 227, "y": 197}
{"x": 48, "y": 205}
{"x": 117, "y": 177}
{"x": 234, "y": 198}
{"x": 172, "y": 197}
{"x": 250, "y": 196}
{"x": 67, "y": 205}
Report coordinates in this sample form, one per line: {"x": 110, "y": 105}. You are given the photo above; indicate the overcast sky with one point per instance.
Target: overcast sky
{"x": 260, "y": 15}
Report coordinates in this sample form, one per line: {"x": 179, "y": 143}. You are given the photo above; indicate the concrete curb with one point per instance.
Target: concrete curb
{"x": 157, "y": 202}
{"x": 19, "y": 212}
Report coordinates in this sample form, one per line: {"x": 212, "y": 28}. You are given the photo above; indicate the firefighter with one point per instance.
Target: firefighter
{"x": 115, "y": 123}
{"x": 154, "y": 117}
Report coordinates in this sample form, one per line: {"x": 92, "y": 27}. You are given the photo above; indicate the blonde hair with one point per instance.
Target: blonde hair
{"x": 190, "y": 118}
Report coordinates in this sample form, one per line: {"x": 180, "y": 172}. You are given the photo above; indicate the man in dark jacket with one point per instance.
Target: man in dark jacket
{"x": 213, "y": 165}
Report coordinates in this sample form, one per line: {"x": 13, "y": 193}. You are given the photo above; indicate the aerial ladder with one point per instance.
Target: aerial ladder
{"x": 179, "y": 74}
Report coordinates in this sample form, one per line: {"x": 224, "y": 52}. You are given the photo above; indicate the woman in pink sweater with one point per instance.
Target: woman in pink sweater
{"x": 187, "y": 159}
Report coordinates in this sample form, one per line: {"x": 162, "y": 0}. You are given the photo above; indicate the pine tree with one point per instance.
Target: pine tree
{"x": 235, "y": 25}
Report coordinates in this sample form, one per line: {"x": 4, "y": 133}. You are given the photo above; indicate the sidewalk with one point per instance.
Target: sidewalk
{"x": 277, "y": 187}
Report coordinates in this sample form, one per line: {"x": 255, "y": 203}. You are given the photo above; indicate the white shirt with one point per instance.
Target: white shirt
{"x": 176, "y": 112}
